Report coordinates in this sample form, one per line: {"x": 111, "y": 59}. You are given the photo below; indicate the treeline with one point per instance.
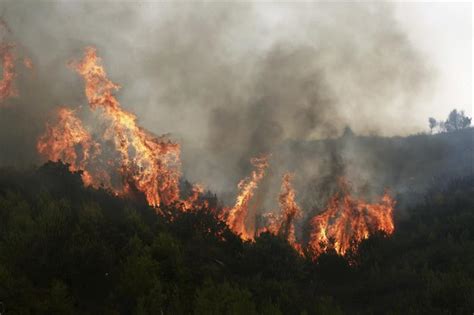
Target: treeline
{"x": 455, "y": 121}
{"x": 66, "y": 249}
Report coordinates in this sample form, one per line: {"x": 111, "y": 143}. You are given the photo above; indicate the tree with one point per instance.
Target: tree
{"x": 457, "y": 120}
{"x": 348, "y": 133}
{"x": 433, "y": 123}
{"x": 223, "y": 298}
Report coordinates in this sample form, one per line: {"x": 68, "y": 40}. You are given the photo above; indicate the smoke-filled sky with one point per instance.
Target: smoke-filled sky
{"x": 443, "y": 33}
{"x": 230, "y": 81}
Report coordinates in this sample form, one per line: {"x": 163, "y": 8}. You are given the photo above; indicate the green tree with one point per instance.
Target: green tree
{"x": 456, "y": 121}
{"x": 212, "y": 299}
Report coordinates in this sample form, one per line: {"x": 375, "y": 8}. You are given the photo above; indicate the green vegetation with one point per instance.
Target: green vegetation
{"x": 455, "y": 121}
{"x": 66, "y": 249}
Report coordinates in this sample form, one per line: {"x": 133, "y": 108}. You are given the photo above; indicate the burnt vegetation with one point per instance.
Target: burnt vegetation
{"x": 69, "y": 249}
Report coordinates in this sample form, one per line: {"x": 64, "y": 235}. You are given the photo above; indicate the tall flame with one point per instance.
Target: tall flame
{"x": 290, "y": 211}
{"x": 70, "y": 142}
{"x": 237, "y": 214}
{"x": 145, "y": 162}
{"x": 284, "y": 223}
{"x": 8, "y": 58}
{"x": 7, "y": 86}
{"x": 347, "y": 221}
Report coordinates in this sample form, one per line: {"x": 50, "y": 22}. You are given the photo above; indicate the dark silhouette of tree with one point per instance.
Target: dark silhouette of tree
{"x": 348, "y": 133}
{"x": 433, "y": 123}
{"x": 456, "y": 121}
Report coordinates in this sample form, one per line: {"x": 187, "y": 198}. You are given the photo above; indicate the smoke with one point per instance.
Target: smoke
{"x": 228, "y": 81}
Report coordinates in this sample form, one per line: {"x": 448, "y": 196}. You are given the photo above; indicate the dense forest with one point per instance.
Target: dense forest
{"x": 69, "y": 249}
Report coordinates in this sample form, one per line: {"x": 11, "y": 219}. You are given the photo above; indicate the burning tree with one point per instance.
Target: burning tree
{"x": 236, "y": 215}
{"x": 7, "y": 87}
{"x": 347, "y": 221}
{"x": 143, "y": 161}
{"x": 283, "y": 224}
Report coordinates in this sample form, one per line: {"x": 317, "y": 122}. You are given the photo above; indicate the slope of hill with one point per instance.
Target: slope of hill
{"x": 69, "y": 249}
{"x": 407, "y": 166}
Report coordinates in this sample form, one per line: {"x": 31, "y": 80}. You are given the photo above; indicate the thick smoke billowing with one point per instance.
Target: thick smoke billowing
{"x": 228, "y": 81}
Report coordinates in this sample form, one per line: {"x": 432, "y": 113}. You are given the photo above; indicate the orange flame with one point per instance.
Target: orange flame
{"x": 237, "y": 214}
{"x": 290, "y": 211}
{"x": 145, "y": 162}
{"x": 193, "y": 199}
{"x": 62, "y": 142}
{"x": 347, "y": 221}
{"x": 151, "y": 165}
{"x": 283, "y": 224}
{"x": 28, "y": 63}
{"x": 7, "y": 86}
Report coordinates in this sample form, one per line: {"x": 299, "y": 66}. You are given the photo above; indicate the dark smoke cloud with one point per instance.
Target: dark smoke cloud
{"x": 228, "y": 81}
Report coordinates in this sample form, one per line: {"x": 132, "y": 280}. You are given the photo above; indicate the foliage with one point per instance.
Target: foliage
{"x": 455, "y": 121}
{"x": 66, "y": 249}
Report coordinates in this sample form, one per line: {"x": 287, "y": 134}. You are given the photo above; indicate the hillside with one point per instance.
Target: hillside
{"x": 67, "y": 249}
{"x": 408, "y": 166}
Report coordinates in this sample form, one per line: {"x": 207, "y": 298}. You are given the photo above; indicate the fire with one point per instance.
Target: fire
{"x": 120, "y": 155}
{"x": 347, "y": 221}
{"x": 63, "y": 140}
{"x": 144, "y": 162}
{"x": 290, "y": 211}
{"x": 344, "y": 223}
{"x": 284, "y": 223}
{"x": 8, "y": 58}
{"x": 237, "y": 214}
{"x": 28, "y": 63}
{"x": 7, "y": 86}
{"x": 193, "y": 200}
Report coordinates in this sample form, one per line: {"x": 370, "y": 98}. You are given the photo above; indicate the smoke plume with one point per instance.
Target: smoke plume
{"x": 227, "y": 81}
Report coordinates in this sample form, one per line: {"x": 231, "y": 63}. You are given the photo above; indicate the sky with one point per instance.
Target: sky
{"x": 442, "y": 31}
{"x": 442, "y": 34}
{"x": 130, "y": 32}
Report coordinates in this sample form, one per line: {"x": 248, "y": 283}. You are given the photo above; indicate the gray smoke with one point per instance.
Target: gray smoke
{"x": 228, "y": 81}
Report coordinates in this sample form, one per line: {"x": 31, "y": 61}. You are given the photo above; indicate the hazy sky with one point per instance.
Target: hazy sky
{"x": 440, "y": 31}
{"x": 443, "y": 32}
